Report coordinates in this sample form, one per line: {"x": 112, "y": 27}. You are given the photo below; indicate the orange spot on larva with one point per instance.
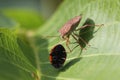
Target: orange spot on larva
{"x": 50, "y": 58}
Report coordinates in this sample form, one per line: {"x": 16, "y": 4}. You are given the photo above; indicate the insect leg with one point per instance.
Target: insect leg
{"x": 67, "y": 44}
{"x": 87, "y": 25}
{"x": 84, "y": 41}
{"x": 81, "y": 39}
{"x": 75, "y": 47}
{"x": 98, "y": 28}
{"x": 83, "y": 27}
{"x": 76, "y": 40}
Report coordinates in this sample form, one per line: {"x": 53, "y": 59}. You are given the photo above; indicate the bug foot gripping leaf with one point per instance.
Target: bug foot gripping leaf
{"x": 57, "y": 56}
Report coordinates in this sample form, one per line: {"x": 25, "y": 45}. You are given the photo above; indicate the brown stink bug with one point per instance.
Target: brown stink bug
{"x": 68, "y": 28}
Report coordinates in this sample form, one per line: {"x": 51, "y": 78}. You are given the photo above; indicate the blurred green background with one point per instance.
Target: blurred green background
{"x": 27, "y": 14}
{"x": 21, "y": 61}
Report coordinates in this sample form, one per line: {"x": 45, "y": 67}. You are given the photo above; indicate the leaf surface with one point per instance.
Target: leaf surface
{"x": 13, "y": 56}
{"x": 101, "y": 60}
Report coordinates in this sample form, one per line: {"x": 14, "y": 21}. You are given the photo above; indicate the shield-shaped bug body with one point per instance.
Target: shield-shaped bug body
{"x": 68, "y": 28}
{"x": 57, "y": 56}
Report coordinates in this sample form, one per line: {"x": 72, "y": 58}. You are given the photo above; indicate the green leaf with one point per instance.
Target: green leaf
{"x": 7, "y": 22}
{"x": 27, "y": 19}
{"x": 12, "y": 55}
{"x": 101, "y": 60}
{"x": 10, "y": 72}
